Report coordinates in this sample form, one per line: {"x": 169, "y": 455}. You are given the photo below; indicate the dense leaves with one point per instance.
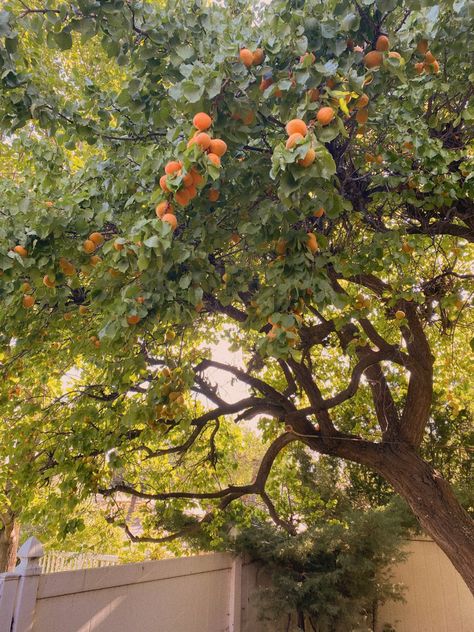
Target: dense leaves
{"x": 337, "y": 266}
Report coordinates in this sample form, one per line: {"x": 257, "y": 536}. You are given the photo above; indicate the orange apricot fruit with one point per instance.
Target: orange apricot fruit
{"x": 162, "y": 208}
{"x": 170, "y": 219}
{"x": 312, "y": 242}
{"x": 28, "y": 301}
{"x": 296, "y": 126}
{"x": 362, "y": 116}
{"x": 293, "y": 139}
{"x": 202, "y": 121}
{"x": 325, "y": 115}
{"x": 373, "y": 59}
{"x": 133, "y": 319}
{"x": 214, "y": 158}
{"x": 319, "y": 212}
{"x": 246, "y": 57}
{"x": 89, "y": 246}
{"x": 172, "y": 167}
{"x": 181, "y": 197}
{"x": 163, "y": 184}
{"x": 382, "y": 43}
{"x": 308, "y": 159}
{"x": 20, "y": 250}
{"x": 97, "y": 238}
{"x": 422, "y": 47}
{"x": 258, "y": 56}
{"x": 213, "y": 195}
{"x": 218, "y": 147}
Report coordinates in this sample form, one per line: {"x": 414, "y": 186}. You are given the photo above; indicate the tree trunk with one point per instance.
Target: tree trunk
{"x": 9, "y": 536}
{"x": 434, "y": 504}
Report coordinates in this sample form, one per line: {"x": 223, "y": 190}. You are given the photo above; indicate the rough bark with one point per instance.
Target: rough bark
{"x": 9, "y": 537}
{"x": 434, "y": 504}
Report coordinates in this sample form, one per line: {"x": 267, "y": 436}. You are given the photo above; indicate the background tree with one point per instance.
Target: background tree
{"x": 326, "y": 237}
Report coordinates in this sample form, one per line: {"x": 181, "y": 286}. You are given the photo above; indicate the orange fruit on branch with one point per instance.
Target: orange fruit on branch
{"x": 293, "y": 139}
{"x": 258, "y": 56}
{"x": 97, "y": 238}
{"x": 362, "y": 116}
{"x": 296, "y": 126}
{"x": 325, "y": 115}
{"x": 218, "y": 147}
{"x": 170, "y": 219}
{"x": 202, "y": 121}
{"x": 214, "y": 158}
{"x": 213, "y": 195}
{"x": 89, "y": 246}
{"x": 20, "y": 250}
{"x": 172, "y": 167}
{"x": 246, "y": 57}
{"x": 382, "y": 43}
{"x": 373, "y": 59}
{"x": 28, "y": 301}
{"x": 308, "y": 159}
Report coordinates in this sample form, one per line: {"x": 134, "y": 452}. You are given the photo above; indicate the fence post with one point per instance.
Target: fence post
{"x": 28, "y": 572}
{"x": 235, "y": 605}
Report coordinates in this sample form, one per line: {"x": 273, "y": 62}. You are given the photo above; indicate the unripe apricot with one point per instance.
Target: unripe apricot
{"x": 97, "y": 238}
{"x": 170, "y": 219}
{"x": 293, "y": 139}
{"x": 296, "y": 126}
{"x": 325, "y": 115}
{"x": 362, "y": 116}
{"x": 202, "y": 121}
{"x": 163, "y": 184}
{"x": 161, "y": 209}
{"x": 218, "y": 147}
{"x": 172, "y": 167}
{"x": 308, "y": 159}
{"x": 400, "y": 314}
{"x": 28, "y": 301}
{"x": 258, "y": 56}
{"x": 20, "y": 250}
{"x": 89, "y": 246}
{"x": 373, "y": 59}
{"x": 214, "y": 158}
{"x": 246, "y": 57}
{"x": 213, "y": 195}
{"x": 382, "y": 43}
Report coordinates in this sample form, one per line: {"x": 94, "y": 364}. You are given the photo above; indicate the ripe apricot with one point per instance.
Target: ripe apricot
{"x": 248, "y": 118}
{"x": 202, "y": 139}
{"x": 28, "y": 301}
{"x": 325, "y": 115}
{"x": 319, "y": 212}
{"x": 202, "y": 121}
{"x": 48, "y": 281}
{"x": 312, "y": 242}
{"x": 422, "y": 47}
{"x": 172, "y": 167}
{"x": 213, "y": 195}
{"x": 95, "y": 260}
{"x": 170, "y": 219}
{"x": 258, "y": 56}
{"x": 187, "y": 180}
{"x": 161, "y": 209}
{"x": 20, "y": 250}
{"x": 67, "y": 267}
{"x": 118, "y": 246}
{"x": 308, "y": 159}
{"x": 235, "y": 238}
{"x": 280, "y": 247}
{"x": 133, "y": 319}
{"x": 192, "y": 192}
{"x": 296, "y": 126}
{"x": 362, "y": 101}
{"x": 97, "y": 238}
{"x": 394, "y": 55}
{"x": 181, "y": 197}
{"x": 246, "y": 57}
{"x": 406, "y": 247}
{"x": 313, "y": 94}
{"x": 429, "y": 57}
{"x": 420, "y": 67}
{"x": 89, "y": 246}
{"x": 198, "y": 179}
{"x": 373, "y": 59}
{"x": 214, "y": 158}
{"x": 362, "y": 116}
{"x": 218, "y": 147}
{"x": 382, "y": 43}
{"x": 435, "y": 66}
{"x": 163, "y": 184}
{"x": 331, "y": 83}
{"x": 293, "y": 139}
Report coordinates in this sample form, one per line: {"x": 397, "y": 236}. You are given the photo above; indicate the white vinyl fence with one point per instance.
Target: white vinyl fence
{"x": 205, "y": 593}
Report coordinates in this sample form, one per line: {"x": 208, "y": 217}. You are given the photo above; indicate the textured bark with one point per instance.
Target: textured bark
{"x": 434, "y": 505}
{"x": 9, "y": 537}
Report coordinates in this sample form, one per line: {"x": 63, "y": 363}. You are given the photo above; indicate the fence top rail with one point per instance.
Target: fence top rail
{"x": 85, "y": 580}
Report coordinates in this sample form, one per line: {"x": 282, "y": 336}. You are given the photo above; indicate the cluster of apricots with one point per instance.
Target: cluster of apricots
{"x": 192, "y": 180}
{"x": 374, "y": 58}
{"x": 249, "y": 58}
{"x": 430, "y": 64}
{"x": 297, "y": 131}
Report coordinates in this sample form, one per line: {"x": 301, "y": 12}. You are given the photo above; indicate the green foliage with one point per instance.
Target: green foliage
{"x": 105, "y": 385}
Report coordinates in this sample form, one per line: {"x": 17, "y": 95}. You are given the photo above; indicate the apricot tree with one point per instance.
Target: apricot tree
{"x": 296, "y": 177}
